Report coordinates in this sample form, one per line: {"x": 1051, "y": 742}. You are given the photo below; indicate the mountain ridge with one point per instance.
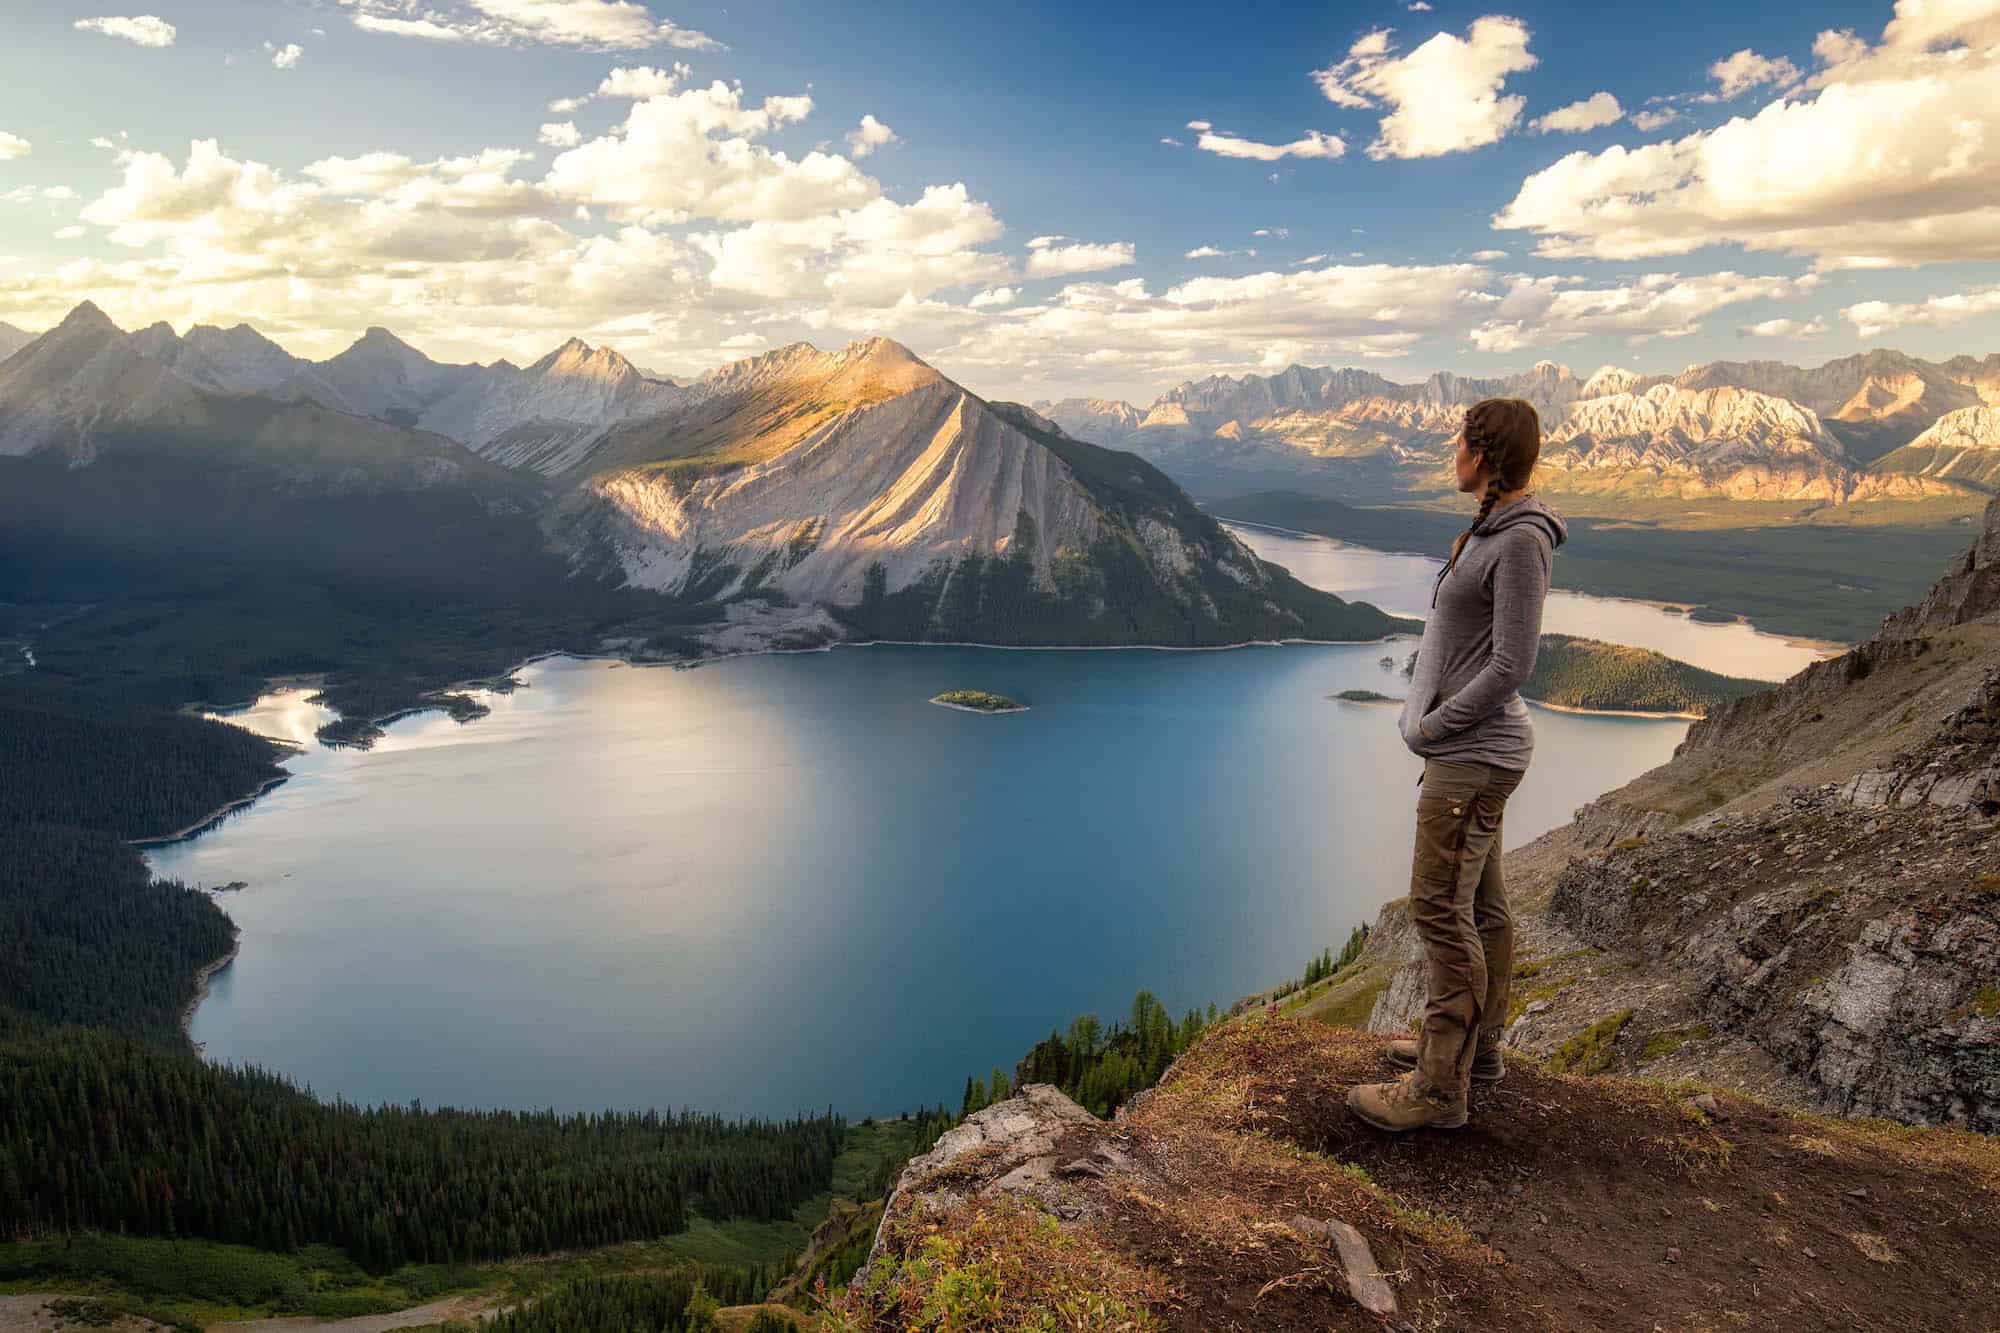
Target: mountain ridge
{"x": 1841, "y": 416}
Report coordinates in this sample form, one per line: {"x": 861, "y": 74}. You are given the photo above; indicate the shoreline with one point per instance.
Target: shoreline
{"x": 1609, "y": 712}
{"x": 216, "y": 815}
{"x": 1821, "y": 648}
{"x": 201, "y": 979}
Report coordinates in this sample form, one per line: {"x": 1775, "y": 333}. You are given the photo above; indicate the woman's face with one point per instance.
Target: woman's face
{"x": 1471, "y": 471}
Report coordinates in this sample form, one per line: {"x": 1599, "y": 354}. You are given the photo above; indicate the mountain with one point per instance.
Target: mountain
{"x": 1962, "y": 446}
{"x": 12, "y": 339}
{"x": 87, "y": 388}
{"x": 1695, "y": 442}
{"x": 1875, "y": 401}
{"x": 865, "y": 482}
{"x": 1804, "y": 903}
{"x": 1759, "y": 430}
{"x": 548, "y": 416}
{"x": 797, "y": 498}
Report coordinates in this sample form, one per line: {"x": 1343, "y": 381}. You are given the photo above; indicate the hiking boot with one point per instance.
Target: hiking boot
{"x": 1411, "y": 1102}
{"x": 1487, "y": 1066}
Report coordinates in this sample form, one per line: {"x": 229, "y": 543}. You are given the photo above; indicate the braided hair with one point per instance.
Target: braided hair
{"x": 1506, "y": 435}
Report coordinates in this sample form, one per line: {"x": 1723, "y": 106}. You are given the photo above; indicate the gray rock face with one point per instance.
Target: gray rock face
{"x": 1037, "y": 1144}
{"x": 1862, "y": 954}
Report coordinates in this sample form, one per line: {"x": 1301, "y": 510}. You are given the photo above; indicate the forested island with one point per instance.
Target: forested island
{"x": 977, "y": 701}
{"x": 1607, "y": 677}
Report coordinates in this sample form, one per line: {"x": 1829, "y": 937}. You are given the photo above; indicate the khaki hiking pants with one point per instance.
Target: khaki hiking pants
{"x": 1458, "y": 904}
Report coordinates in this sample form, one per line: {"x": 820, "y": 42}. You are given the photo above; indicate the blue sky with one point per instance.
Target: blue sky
{"x": 1834, "y": 186}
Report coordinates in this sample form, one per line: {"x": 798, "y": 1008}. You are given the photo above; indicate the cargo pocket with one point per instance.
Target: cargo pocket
{"x": 1442, "y": 821}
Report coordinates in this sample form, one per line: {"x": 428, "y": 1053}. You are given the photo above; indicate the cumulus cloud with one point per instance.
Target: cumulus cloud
{"x": 695, "y": 153}
{"x": 1872, "y": 319}
{"x": 868, "y": 136}
{"x": 636, "y": 82}
{"x": 286, "y": 56}
{"x": 1786, "y": 328}
{"x": 1657, "y": 305}
{"x": 13, "y": 146}
{"x": 561, "y": 134}
{"x": 142, "y": 29}
{"x": 994, "y": 296}
{"x": 1739, "y": 73}
{"x": 591, "y": 25}
{"x": 1890, "y": 158}
{"x": 1444, "y": 96}
{"x": 1653, "y": 118}
{"x": 1224, "y": 144}
{"x": 1048, "y": 259}
{"x": 1206, "y": 252}
{"x": 1594, "y": 112}
{"x": 1488, "y": 256}
{"x": 564, "y": 105}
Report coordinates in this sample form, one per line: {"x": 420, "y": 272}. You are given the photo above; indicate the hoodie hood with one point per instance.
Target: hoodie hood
{"x": 1526, "y": 510}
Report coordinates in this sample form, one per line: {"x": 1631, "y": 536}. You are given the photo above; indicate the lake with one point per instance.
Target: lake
{"x": 787, "y": 882}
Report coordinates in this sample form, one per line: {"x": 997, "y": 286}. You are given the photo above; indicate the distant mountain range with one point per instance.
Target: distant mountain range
{"x": 808, "y": 496}
{"x": 1874, "y": 426}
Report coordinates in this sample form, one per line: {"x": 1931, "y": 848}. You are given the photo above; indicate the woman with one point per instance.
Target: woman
{"x": 1464, "y": 717}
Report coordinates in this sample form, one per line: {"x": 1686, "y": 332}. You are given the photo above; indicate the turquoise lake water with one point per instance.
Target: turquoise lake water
{"x": 787, "y": 882}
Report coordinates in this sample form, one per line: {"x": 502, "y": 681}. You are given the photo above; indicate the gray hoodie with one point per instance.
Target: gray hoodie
{"x": 1480, "y": 641}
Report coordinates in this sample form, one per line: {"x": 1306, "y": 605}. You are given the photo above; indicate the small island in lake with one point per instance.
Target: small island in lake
{"x": 977, "y": 701}
{"x": 1365, "y": 697}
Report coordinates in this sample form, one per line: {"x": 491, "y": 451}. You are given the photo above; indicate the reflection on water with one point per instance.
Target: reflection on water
{"x": 1402, "y": 584}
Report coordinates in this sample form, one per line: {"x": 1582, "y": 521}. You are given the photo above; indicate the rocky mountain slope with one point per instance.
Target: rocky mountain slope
{"x": 12, "y": 339}
{"x": 1738, "y": 430}
{"x": 806, "y": 497}
{"x": 1804, "y": 903}
{"x": 1962, "y": 446}
{"x": 866, "y": 481}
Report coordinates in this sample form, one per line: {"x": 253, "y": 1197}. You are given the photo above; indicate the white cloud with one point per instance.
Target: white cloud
{"x": 870, "y": 257}
{"x": 1488, "y": 256}
{"x": 69, "y": 233}
{"x": 1279, "y": 233}
{"x": 1170, "y": 141}
{"x": 1049, "y": 260}
{"x": 1738, "y": 74}
{"x": 693, "y": 155}
{"x": 1419, "y": 6}
{"x": 1444, "y": 95}
{"x": 1657, "y": 305}
{"x": 143, "y": 29}
{"x": 1891, "y": 158}
{"x": 1094, "y": 337}
{"x": 1314, "y": 144}
{"x": 13, "y": 146}
{"x": 1594, "y": 112}
{"x": 639, "y": 81}
{"x": 1649, "y": 120}
{"x": 1199, "y": 125}
{"x": 1786, "y": 328}
{"x": 1872, "y": 319}
{"x": 591, "y": 25}
{"x": 561, "y": 134}
{"x": 286, "y": 56}
{"x": 1206, "y": 252}
{"x": 562, "y": 106}
{"x": 1309, "y": 259}
{"x": 994, "y": 297}
{"x": 868, "y": 136}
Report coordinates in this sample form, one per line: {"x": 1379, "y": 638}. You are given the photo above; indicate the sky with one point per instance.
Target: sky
{"x": 1042, "y": 199}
